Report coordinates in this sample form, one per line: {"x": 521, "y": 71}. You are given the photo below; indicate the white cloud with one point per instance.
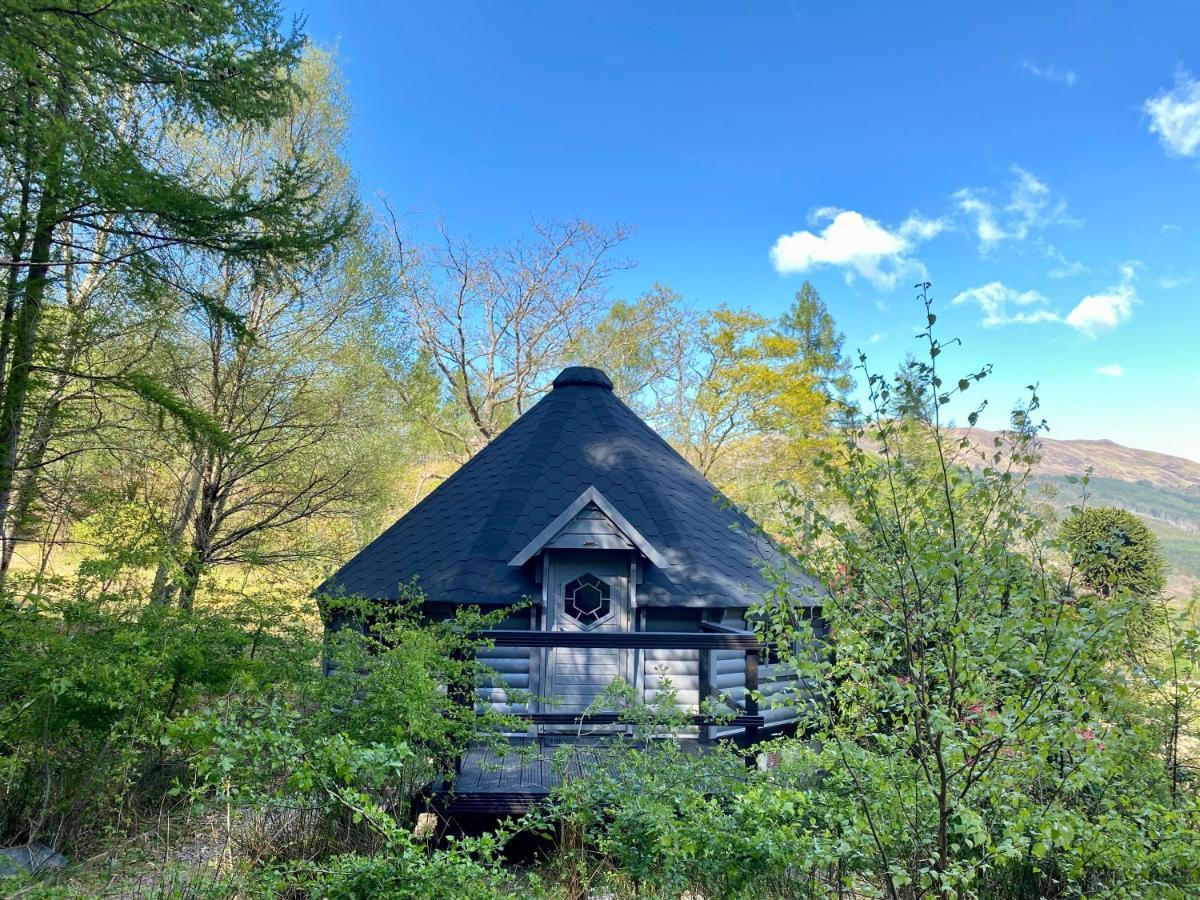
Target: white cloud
{"x": 1170, "y": 282}
{"x": 918, "y": 228}
{"x": 1113, "y": 371}
{"x": 1100, "y": 312}
{"x": 1031, "y": 207}
{"x": 987, "y": 228}
{"x": 1095, "y": 313}
{"x": 1175, "y": 116}
{"x": 996, "y": 299}
{"x": 1033, "y": 203}
{"x": 1050, "y": 73}
{"x": 1066, "y": 268}
{"x": 1108, "y": 309}
{"x": 861, "y": 245}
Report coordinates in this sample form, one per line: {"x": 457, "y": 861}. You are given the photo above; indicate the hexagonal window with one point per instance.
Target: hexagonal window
{"x": 587, "y": 599}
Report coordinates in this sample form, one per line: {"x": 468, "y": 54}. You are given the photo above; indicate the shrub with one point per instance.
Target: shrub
{"x": 87, "y": 688}
{"x": 406, "y": 870}
{"x": 340, "y": 761}
{"x": 978, "y": 717}
{"x": 1112, "y": 550}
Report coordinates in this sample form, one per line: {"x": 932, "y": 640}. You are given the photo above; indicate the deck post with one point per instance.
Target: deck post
{"x": 751, "y": 702}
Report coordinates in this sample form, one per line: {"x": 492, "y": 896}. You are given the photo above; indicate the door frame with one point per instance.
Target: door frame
{"x": 618, "y": 568}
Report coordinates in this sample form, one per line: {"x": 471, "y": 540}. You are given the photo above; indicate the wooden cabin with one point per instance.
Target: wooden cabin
{"x": 637, "y": 566}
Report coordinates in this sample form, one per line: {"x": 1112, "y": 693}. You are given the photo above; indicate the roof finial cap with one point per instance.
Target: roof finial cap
{"x": 583, "y": 376}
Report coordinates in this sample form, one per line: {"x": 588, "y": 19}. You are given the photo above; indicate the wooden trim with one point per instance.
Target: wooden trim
{"x": 739, "y": 719}
{"x": 751, "y": 701}
{"x": 643, "y": 640}
{"x": 535, "y": 665}
{"x": 591, "y": 495}
{"x": 705, "y": 679}
{"x": 722, "y": 628}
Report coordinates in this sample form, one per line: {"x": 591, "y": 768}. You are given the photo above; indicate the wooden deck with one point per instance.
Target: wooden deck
{"x": 506, "y": 783}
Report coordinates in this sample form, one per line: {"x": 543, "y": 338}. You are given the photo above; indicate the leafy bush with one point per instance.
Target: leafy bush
{"x": 658, "y": 821}
{"x": 87, "y": 688}
{"x": 340, "y": 761}
{"x": 113, "y": 709}
{"x": 979, "y": 716}
{"x": 406, "y": 870}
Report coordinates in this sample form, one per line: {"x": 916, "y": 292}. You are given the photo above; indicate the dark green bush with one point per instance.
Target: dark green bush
{"x": 1113, "y": 551}
{"x": 87, "y": 689}
{"x": 113, "y": 710}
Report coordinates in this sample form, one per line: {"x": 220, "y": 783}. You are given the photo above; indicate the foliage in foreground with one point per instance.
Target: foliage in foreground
{"x": 986, "y": 717}
{"x": 119, "y": 715}
{"x": 989, "y": 721}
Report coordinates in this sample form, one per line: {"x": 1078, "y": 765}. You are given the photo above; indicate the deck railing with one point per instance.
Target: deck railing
{"x": 714, "y": 637}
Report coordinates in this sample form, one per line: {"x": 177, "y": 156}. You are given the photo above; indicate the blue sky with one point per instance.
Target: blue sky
{"x": 1040, "y": 164}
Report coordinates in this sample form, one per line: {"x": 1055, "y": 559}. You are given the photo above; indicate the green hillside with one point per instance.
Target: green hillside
{"x": 1164, "y": 490}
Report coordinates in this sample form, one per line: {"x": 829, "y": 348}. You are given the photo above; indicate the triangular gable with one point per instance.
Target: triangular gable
{"x": 590, "y": 529}
{"x": 610, "y": 529}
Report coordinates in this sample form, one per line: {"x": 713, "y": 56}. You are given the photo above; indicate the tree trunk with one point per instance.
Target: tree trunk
{"x": 27, "y": 490}
{"x": 26, "y": 324}
{"x": 202, "y": 537}
{"x": 48, "y": 412}
{"x": 164, "y": 588}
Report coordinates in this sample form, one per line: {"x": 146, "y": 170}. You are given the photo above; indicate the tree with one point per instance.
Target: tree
{"x": 1113, "y": 550}
{"x": 636, "y": 344}
{"x": 99, "y": 104}
{"x": 747, "y": 399}
{"x": 745, "y": 408}
{"x": 971, "y": 724}
{"x": 495, "y": 322}
{"x": 808, "y": 321}
{"x": 288, "y": 396}
{"x": 92, "y": 347}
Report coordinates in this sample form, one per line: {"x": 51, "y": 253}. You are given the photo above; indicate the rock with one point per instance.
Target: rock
{"x": 32, "y": 858}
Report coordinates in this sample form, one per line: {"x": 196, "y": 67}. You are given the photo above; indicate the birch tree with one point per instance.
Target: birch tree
{"x": 286, "y": 393}
{"x": 496, "y": 322}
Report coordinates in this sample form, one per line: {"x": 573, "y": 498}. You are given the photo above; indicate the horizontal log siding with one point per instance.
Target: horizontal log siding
{"x": 507, "y": 686}
{"x": 729, "y": 672}
{"x": 776, "y": 683}
{"x": 680, "y": 667}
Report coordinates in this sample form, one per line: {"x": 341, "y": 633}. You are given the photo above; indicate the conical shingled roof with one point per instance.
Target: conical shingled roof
{"x": 459, "y": 540}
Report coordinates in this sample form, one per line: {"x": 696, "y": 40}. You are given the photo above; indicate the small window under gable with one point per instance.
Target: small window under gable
{"x": 590, "y": 529}
{"x": 587, "y": 599}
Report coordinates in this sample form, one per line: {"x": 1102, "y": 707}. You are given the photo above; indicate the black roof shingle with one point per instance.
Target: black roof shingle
{"x": 458, "y": 541}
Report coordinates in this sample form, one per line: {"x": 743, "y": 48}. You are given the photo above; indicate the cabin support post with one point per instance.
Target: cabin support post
{"x": 751, "y": 702}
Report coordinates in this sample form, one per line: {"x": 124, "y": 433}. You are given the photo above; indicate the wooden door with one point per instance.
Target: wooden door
{"x": 590, "y": 593}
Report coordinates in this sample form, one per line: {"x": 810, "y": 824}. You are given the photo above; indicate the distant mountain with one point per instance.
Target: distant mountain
{"x": 1164, "y": 490}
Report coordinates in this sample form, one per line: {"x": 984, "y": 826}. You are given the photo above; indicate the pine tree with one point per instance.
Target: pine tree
{"x": 809, "y": 322}
{"x": 1113, "y": 550}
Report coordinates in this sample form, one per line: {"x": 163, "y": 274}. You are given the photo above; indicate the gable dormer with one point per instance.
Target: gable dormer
{"x": 589, "y": 529}
{"x": 589, "y": 523}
